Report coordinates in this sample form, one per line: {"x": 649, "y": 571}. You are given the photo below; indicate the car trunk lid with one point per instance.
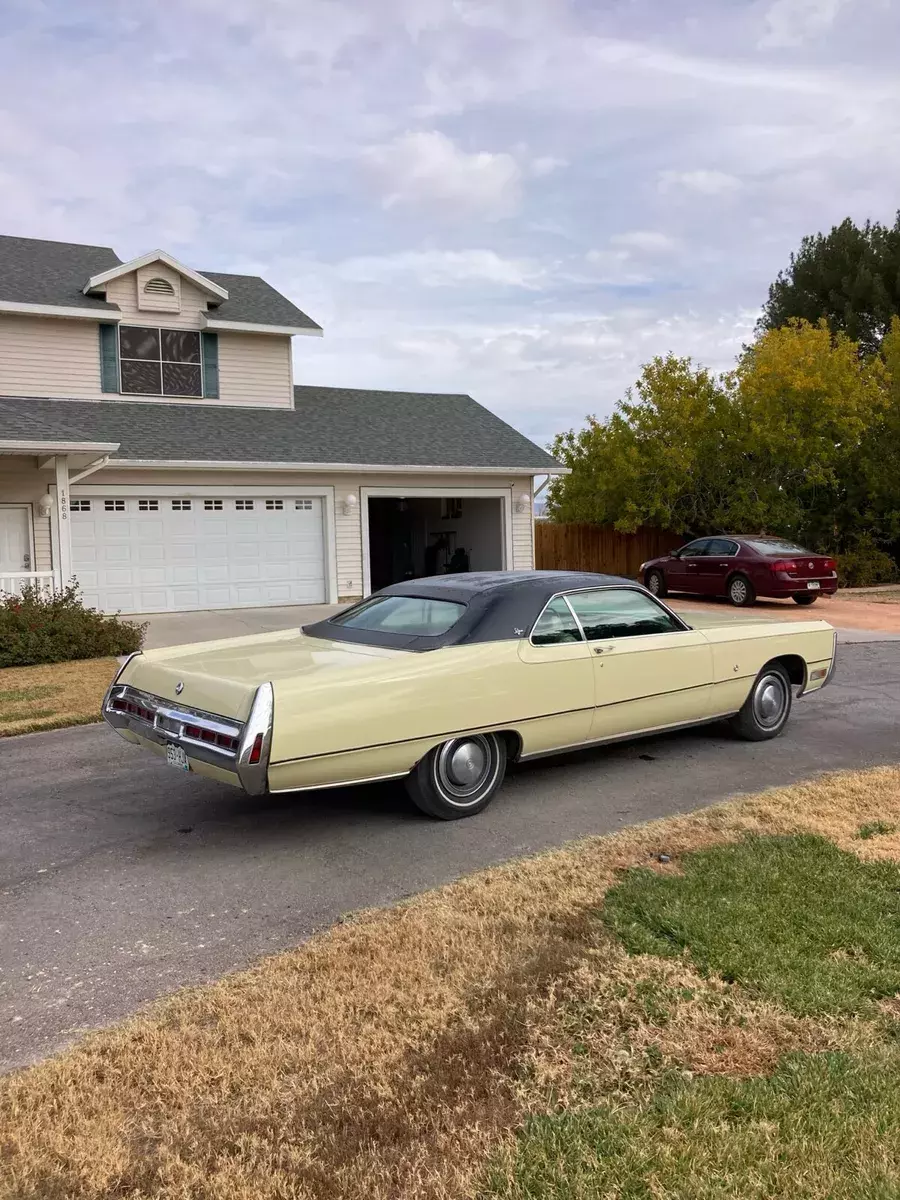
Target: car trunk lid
{"x": 802, "y": 566}
{"x": 222, "y": 677}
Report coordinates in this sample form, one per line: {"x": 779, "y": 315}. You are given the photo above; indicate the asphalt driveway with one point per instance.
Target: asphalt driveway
{"x": 121, "y": 880}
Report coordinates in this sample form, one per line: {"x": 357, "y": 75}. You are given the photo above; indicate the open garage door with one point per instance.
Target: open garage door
{"x": 170, "y": 554}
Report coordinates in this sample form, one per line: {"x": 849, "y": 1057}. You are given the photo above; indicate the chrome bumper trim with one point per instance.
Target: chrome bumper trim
{"x": 830, "y": 673}
{"x": 166, "y": 725}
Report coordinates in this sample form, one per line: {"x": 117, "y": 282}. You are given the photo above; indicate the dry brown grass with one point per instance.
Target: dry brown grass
{"x": 49, "y": 697}
{"x": 389, "y": 1056}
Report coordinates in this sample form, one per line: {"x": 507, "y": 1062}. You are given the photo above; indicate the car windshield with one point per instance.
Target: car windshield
{"x": 411, "y": 615}
{"x": 774, "y": 546}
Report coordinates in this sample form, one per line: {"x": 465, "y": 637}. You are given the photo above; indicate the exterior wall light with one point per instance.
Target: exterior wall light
{"x": 348, "y": 506}
{"x": 523, "y": 502}
{"x": 45, "y": 504}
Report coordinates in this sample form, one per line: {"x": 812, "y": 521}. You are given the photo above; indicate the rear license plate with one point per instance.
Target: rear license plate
{"x": 814, "y": 585}
{"x": 177, "y": 758}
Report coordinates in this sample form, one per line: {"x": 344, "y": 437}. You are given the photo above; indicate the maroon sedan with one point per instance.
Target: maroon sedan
{"x": 742, "y": 568}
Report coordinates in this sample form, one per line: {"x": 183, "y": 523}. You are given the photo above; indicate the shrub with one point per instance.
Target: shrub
{"x": 866, "y": 565}
{"x": 37, "y": 627}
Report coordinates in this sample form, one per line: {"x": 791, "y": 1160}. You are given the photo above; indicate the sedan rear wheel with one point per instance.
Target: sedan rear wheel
{"x": 460, "y": 777}
{"x": 767, "y": 708}
{"x": 655, "y": 582}
{"x": 740, "y": 591}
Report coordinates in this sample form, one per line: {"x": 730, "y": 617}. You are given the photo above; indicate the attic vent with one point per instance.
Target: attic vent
{"x": 158, "y": 287}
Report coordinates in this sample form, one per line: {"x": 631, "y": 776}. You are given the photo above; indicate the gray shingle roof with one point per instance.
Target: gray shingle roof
{"x": 34, "y": 271}
{"x": 250, "y": 298}
{"x": 327, "y": 425}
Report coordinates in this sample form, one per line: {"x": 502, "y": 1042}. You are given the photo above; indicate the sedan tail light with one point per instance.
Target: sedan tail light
{"x": 830, "y": 564}
{"x": 786, "y": 565}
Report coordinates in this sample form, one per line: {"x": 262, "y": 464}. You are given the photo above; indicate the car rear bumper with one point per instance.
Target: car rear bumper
{"x": 219, "y": 747}
{"x": 781, "y": 588}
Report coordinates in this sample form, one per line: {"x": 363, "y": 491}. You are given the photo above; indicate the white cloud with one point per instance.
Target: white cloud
{"x": 546, "y": 164}
{"x": 649, "y": 241}
{"x": 792, "y": 22}
{"x": 707, "y": 182}
{"x": 443, "y": 268}
{"x": 427, "y": 170}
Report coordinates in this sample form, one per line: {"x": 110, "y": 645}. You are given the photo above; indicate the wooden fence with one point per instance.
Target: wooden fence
{"x": 598, "y": 548}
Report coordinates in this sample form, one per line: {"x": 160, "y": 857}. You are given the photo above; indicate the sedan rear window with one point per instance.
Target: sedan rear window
{"x": 774, "y": 546}
{"x": 411, "y": 615}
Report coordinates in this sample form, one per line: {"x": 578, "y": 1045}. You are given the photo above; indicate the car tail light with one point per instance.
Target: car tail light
{"x": 785, "y": 565}
{"x": 256, "y": 750}
{"x": 830, "y": 564}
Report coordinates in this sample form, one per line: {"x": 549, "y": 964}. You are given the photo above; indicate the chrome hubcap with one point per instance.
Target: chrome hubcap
{"x": 653, "y": 584}
{"x": 466, "y": 764}
{"x": 770, "y": 700}
{"x": 463, "y": 767}
{"x": 739, "y": 590}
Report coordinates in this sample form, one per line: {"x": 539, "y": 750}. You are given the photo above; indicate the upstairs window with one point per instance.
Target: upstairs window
{"x": 160, "y": 362}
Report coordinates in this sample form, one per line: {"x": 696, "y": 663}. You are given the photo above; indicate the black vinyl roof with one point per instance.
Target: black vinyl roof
{"x": 326, "y": 425}
{"x": 500, "y": 606}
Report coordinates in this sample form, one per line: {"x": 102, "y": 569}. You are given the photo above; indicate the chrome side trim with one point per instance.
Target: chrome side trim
{"x": 254, "y": 777}
{"x": 633, "y": 735}
{"x": 324, "y": 787}
{"x": 116, "y": 679}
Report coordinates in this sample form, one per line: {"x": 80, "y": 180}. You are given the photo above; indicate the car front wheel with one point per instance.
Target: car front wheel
{"x": 655, "y": 582}
{"x": 460, "y": 777}
{"x": 740, "y": 591}
{"x": 805, "y": 597}
{"x": 766, "y": 710}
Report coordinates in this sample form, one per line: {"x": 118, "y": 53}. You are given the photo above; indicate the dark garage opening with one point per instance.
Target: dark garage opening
{"x": 416, "y": 536}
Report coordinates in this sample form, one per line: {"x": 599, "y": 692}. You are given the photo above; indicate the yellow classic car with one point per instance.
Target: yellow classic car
{"x": 443, "y": 681}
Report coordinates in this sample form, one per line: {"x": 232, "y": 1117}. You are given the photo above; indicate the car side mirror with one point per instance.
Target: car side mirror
{"x": 674, "y": 554}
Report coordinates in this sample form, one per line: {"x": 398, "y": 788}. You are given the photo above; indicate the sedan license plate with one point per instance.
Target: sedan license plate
{"x": 814, "y": 585}
{"x": 177, "y": 758}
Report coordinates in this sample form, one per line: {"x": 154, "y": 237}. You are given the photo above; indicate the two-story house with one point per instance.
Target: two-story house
{"x": 155, "y": 448}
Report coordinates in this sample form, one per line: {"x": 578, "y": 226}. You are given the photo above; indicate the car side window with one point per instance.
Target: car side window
{"x": 620, "y": 613}
{"x": 721, "y": 546}
{"x": 698, "y": 549}
{"x": 556, "y": 625}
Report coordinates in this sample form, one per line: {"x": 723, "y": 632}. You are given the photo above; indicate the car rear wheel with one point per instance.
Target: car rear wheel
{"x": 805, "y": 598}
{"x": 655, "y": 582}
{"x": 460, "y": 777}
{"x": 740, "y": 591}
{"x": 766, "y": 710}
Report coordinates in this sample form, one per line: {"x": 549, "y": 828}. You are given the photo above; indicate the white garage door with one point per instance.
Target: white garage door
{"x": 165, "y": 553}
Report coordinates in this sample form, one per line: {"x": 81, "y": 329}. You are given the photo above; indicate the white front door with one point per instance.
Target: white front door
{"x": 15, "y": 539}
{"x": 168, "y": 553}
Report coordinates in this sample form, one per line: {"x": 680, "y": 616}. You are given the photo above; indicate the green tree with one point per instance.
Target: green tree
{"x": 781, "y": 444}
{"x": 657, "y": 459}
{"x": 849, "y": 277}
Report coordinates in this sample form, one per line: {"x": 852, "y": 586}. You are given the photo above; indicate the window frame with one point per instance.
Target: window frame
{"x": 726, "y": 553}
{"x": 696, "y": 542}
{"x": 579, "y": 641}
{"x": 160, "y": 330}
{"x": 605, "y": 587}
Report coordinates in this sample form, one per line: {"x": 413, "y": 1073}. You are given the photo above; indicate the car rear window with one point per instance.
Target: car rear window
{"x": 412, "y": 615}
{"x": 774, "y": 546}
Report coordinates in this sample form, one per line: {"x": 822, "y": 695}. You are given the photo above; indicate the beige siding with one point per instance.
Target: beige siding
{"x": 255, "y": 368}
{"x": 49, "y": 356}
{"x": 523, "y": 528}
{"x": 22, "y": 483}
{"x": 348, "y": 528}
{"x": 123, "y": 291}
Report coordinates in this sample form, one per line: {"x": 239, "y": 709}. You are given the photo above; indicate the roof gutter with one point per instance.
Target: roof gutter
{"x": 157, "y": 464}
{"x": 60, "y": 310}
{"x": 57, "y": 447}
{"x": 252, "y": 327}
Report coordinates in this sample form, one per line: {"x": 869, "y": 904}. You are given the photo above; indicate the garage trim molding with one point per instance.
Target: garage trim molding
{"x": 301, "y": 492}
{"x": 496, "y": 493}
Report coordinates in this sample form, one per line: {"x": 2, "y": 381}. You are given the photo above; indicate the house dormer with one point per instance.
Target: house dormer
{"x": 150, "y": 328}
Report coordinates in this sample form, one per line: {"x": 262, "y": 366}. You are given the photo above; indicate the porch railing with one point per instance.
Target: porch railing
{"x": 12, "y": 584}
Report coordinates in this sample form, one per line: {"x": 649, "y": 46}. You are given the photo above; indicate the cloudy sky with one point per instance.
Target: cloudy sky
{"x": 520, "y": 199}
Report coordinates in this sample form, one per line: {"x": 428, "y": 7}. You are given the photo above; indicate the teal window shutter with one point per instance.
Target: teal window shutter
{"x": 109, "y": 359}
{"x": 210, "y": 342}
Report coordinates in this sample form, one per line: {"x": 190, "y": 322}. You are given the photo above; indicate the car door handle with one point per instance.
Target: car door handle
{"x": 603, "y": 649}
